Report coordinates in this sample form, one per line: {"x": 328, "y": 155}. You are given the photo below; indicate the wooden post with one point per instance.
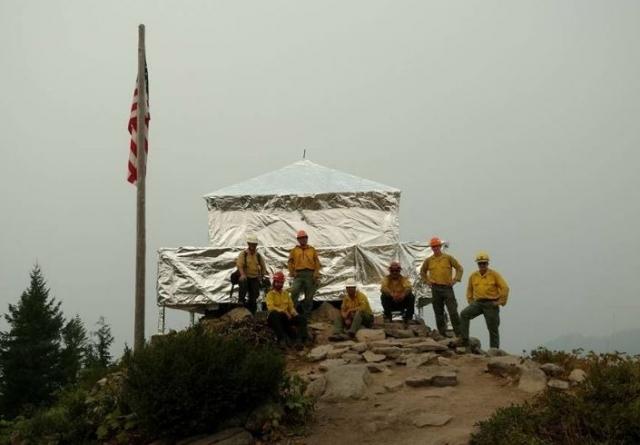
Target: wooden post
{"x": 138, "y": 331}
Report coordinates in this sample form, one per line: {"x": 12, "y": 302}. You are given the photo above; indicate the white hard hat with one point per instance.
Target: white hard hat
{"x": 350, "y": 283}
{"x": 252, "y": 239}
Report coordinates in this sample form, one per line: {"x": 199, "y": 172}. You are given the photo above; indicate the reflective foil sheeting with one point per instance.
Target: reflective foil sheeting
{"x": 194, "y": 278}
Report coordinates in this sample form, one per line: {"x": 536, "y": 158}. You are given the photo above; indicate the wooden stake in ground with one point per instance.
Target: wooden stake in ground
{"x": 138, "y": 331}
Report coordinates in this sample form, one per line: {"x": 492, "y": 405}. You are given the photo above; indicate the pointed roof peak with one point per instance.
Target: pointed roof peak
{"x": 302, "y": 177}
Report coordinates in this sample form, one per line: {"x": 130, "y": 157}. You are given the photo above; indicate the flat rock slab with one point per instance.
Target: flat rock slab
{"x": 372, "y": 357}
{"x": 369, "y": 335}
{"x": 346, "y": 382}
{"x": 446, "y": 378}
{"x": 532, "y": 380}
{"x": 319, "y": 353}
{"x": 337, "y": 352}
{"x": 418, "y": 381}
{"x": 351, "y": 357}
{"x": 391, "y": 352}
{"x": 428, "y": 345}
{"x": 417, "y": 360}
{"x": 388, "y": 343}
{"x": 359, "y": 347}
{"x": 551, "y": 369}
{"x": 330, "y": 363}
{"x": 431, "y": 419}
{"x": 399, "y": 333}
{"x": 558, "y": 384}
{"x": 319, "y": 326}
{"x": 393, "y": 385}
{"x": 410, "y": 341}
{"x": 376, "y": 368}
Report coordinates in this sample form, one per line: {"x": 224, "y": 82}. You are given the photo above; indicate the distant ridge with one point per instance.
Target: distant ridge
{"x": 623, "y": 341}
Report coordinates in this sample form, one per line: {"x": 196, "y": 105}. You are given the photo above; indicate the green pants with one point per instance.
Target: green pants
{"x": 491, "y": 314}
{"x": 304, "y": 281}
{"x": 359, "y": 319}
{"x": 444, "y": 296}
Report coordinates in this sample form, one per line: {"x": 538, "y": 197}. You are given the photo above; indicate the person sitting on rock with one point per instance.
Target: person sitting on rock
{"x": 355, "y": 312}
{"x": 396, "y": 294}
{"x": 283, "y": 318}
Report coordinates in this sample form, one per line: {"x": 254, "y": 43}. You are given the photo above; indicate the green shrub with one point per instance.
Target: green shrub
{"x": 604, "y": 409}
{"x": 192, "y": 381}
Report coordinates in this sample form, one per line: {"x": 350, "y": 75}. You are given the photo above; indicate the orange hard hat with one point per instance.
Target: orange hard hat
{"x": 278, "y": 276}
{"x": 435, "y": 241}
{"x": 301, "y": 234}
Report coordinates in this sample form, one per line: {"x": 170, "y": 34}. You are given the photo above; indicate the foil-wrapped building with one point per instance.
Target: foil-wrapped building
{"x": 353, "y": 222}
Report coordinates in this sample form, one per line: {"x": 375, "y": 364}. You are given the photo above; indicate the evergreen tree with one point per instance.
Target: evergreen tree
{"x": 99, "y": 354}
{"x": 74, "y": 354}
{"x": 30, "y": 352}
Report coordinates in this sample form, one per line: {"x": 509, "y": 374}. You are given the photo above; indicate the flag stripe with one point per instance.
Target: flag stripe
{"x": 132, "y": 175}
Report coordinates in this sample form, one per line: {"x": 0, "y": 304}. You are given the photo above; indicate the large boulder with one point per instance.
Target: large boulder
{"x": 316, "y": 388}
{"x": 532, "y": 380}
{"x": 552, "y": 370}
{"x": 577, "y": 376}
{"x": 346, "y": 382}
{"x": 508, "y": 365}
{"x": 444, "y": 378}
{"x": 319, "y": 353}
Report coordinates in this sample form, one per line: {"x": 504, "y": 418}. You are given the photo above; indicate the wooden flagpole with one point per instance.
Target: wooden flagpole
{"x": 138, "y": 331}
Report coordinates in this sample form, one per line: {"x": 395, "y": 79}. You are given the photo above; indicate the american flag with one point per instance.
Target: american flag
{"x": 133, "y": 127}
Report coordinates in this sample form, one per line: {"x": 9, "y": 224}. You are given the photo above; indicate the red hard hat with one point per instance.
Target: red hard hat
{"x": 278, "y": 276}
{"x": 435, "y": 241}
{"x": 301, "y": 234}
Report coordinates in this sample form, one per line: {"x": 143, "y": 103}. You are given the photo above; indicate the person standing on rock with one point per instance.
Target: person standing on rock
{"x": 304, "y": 268}
{"x": 437, "y": 272}
{"x": 396, "y": 294}
{"x": 486, "y": 292}
{"x": 283, "y": 318}
{"x": 252, "y": 269}
{"x": 355, "y": 312}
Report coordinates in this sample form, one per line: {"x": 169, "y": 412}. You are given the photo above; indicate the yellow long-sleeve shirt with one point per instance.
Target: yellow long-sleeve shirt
{"x": 252, "y": 264}
{"x": 490, "y": 286}
{"x": 393, "y": 286}
{"x": 301, "y": 258}
{"x": 280, "y": 301}
{"x": 358, "y": 303}
{"x": 438, "y": 269}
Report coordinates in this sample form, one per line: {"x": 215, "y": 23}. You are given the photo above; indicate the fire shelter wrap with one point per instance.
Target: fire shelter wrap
{"x": 333, "y": 207}
{"x": 195, "y": 279}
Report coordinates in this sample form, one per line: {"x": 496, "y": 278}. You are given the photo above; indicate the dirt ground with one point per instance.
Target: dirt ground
{"x": 385, "y": 417}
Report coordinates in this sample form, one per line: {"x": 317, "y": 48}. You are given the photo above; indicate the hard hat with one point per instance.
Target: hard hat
{"x": 301, "y": 234}
{"x": 435, "y": 242}
{"x": 252, "y": 239}
{"x": 395, "y": 265}
{"x": 350, "y": 283}
{"x": 278, "y": 276}
{"x": 482, "y": 257}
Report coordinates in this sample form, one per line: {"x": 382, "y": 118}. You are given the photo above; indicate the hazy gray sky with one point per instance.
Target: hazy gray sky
{"x": 509, "y": 126}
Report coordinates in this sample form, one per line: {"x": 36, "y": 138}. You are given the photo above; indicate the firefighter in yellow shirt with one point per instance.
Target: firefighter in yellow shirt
{"x": 304, "y": 268}
{"x": 355, "y": 312}
{"x": 283, "y": 318}
{"x": 396, "y": 294}
{"x": 486, "y": 292}
{"x": 437, "y": 272}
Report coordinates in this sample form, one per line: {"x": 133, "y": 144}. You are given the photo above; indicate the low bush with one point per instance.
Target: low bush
{"x": 604, "y": 409}
{"x": 193, "y": 381}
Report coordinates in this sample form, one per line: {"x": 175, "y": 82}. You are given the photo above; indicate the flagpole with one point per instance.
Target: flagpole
{"x": 138, "y": 331}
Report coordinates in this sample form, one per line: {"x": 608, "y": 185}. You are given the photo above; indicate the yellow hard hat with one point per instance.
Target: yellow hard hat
{"x": 482, "y": 257}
